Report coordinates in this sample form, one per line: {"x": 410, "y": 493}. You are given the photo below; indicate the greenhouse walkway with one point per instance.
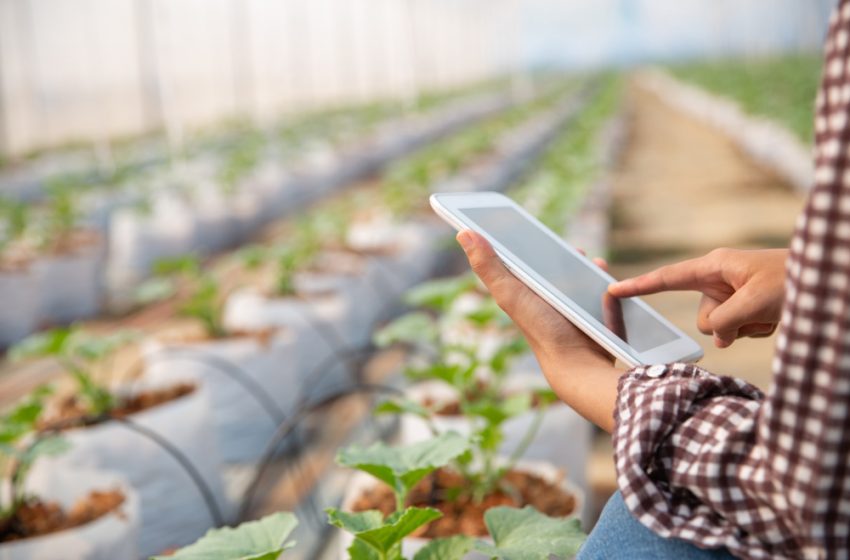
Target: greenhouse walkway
{"x": 681, "y": 189}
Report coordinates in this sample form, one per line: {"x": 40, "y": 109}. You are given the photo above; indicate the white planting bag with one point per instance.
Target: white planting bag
{"x": 70, "y": 285}
{"x": 113, "y": 536}
{"x": 173, "y": 512}
{"x": 19, "y": 305}
{"x": 243, "y": 421}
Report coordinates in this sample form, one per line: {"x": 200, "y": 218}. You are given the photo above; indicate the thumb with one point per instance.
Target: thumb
{"x": 727, "y": 318}
{"x": 489, "y": 267}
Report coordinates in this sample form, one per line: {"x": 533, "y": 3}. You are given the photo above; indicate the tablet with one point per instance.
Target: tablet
{"x": 628, "y": 328}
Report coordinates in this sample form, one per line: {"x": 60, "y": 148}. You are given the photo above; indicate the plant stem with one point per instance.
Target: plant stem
{"x": 529, "y": 436}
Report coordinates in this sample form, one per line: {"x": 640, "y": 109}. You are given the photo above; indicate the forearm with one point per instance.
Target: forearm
{"x": 585, "y": 381}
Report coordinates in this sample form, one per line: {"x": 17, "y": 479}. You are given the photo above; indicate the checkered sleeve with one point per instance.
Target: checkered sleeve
{"x": 707, "y": 458}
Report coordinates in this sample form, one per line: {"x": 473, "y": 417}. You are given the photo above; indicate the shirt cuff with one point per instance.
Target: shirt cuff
{"x": 654, "y": 403}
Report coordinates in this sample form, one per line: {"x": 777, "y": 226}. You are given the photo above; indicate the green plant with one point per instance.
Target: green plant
{"x": 203, "y": 300}
{"x": 62, "y": 213}
{"x": 377, "y": 537}
{"x": 518, "y": 534}
{"x": 19, "y": 450}
{"x": 781, "y": 88}
{"x": 477, "y": 382}
{"x": 264, "y": 539}
{"x": 240, "y": 161}
{"x": 77, "y": 352}
{"x": 14, "y": 217}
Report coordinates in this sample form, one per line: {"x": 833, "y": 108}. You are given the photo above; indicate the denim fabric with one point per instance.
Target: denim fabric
{"x": 619, "y": 536}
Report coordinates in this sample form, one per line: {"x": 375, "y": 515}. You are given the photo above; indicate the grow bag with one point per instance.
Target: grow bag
{"x": 137, "y": 239}
{"x": 19, "y": 305}
{"x": 114, "y": 535}
{"x": 251, "y": 383}
{"x": 70, "y": 285}
{"x": 361, "y": 482}
{"x": 111, "y": 537}
{"x": 173, "y": 510}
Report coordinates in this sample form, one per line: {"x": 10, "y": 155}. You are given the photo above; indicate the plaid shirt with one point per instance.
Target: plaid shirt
{"x": 713, "y": 461}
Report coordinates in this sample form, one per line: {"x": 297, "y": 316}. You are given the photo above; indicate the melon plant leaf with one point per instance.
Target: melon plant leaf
{"x": 415, "y": 328}
{"x": 154, "y": 290}
{"x": 264, "y": 539}
{"x": 440, "y": 294}
{"x": 527, "y": 534}
{"x": 357, "y": 522}
{"x": 496, "y": 412}
{"x": 402, "y": 406}
{"x": 451, "y": 548}
{"x": 386, "y": 537}
{"x": 403, "y": 467}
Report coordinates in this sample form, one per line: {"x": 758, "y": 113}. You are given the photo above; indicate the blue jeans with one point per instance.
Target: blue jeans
{"x": 618, "y": 535}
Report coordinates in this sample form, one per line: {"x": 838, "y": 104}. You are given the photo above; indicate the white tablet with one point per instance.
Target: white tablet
{"x": 628, "y": 328}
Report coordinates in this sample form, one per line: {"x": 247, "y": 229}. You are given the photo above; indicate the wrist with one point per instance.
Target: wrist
{"x": 573, "y": 358}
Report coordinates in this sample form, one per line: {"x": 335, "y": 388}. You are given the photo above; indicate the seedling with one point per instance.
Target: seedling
{"x": 240, "y": 162}
{"x": 377, "y": 537}
{"x": 477, "y": 383}
{"x": 77, "y": 352}
{"x": 19, "y": 451}
{"x": 518, "y": 534}
{"x": 264, "y": 539}
{"x": 14, "y": 217}
{"x": 203, "y": 294}
{"x": 62, "y": 212}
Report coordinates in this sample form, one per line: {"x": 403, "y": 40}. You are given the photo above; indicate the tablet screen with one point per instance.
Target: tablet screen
{"x": 572, "y": 276}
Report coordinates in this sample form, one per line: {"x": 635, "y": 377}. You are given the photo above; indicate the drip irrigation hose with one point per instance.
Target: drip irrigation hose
{"x": 290, "y": 424}
{"x": 202, "y": 486}
{"x": 231, "y": 370}
{"x": 328, "y": 333}
{"x": 182, "y": 460}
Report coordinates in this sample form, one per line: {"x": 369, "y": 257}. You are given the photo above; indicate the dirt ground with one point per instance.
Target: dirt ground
{"x": 680, "y": 190}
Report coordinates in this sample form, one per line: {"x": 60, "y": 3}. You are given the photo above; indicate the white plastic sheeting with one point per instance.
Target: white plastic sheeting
{"x": 173, "y": 512}
{"x": 110, "y": 537}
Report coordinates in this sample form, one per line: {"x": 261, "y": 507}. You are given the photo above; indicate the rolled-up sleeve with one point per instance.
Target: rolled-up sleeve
{"x": 709, "y": 459}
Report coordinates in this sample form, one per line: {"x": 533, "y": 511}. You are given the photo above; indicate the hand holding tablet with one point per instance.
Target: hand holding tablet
{"x": 578, "y": 289}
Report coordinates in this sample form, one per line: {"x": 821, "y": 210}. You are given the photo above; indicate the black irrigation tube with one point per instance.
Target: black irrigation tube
{"x": 182, "y": 460}
{"x": 230, "y": 370}
{"x": 289, "y": 425}
{"x": 328, "y": 333}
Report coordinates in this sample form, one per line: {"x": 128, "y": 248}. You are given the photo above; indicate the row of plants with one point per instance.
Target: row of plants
{"x": 510, "y": 533}
{"x": 781, "y": 88}
{"x": 241, "y": 380}
{"x": 62, "y": 257}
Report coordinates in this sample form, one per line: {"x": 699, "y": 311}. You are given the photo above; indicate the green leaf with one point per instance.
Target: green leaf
{"x": 154, "y": 290}
{"x": 412, "y": 328}
{"x": 452, "y": 548}
{"x": 527, "y": 534}
{"x": 385, "y": 537}
{"x": 255, "y": 540}
{"x": 357, "y": 522}
{"x": 49, "y": 446}
{"x": 440, "y": 294}
{"x": 495, "y": 412}
{"x": 185, "y": 265}
{"x": 402, "y": 467}
{"x": 453, "y": 374}
{"x": 402, "y": 406}
{"x": 49, "y": 343}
